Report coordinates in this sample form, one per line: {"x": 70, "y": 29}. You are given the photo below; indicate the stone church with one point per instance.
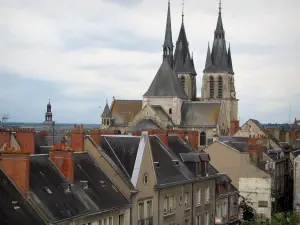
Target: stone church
{"x": 171, "y": 102}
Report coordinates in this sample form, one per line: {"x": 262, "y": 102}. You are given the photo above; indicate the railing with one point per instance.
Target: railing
{"x": 146, "y": 221}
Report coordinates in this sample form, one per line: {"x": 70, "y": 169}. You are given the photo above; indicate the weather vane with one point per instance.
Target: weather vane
{"x": 220, "y": 5}
{"x": 182, "y": 9}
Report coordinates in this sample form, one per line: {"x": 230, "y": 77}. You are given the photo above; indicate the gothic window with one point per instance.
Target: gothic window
{"x": 211, "y": 87}
{"x": 182, "y": 80}
{"x": 220, "y": 87}
{"x": 202, "y": 138}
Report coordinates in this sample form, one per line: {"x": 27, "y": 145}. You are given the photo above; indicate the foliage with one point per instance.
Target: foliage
{"x": 288, "y": 218}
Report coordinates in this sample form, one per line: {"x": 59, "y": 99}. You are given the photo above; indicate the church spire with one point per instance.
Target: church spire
{"x": 230, "y": 60}
{"x": 168, "y": 43}
{"x": 208, "y": 62}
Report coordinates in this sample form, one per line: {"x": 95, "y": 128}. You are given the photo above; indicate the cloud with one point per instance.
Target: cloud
{"x": 83, "y": 52}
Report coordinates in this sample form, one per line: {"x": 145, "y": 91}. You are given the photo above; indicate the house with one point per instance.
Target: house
{"x": 254, "y": 170}
{"x": 61, "y": 187}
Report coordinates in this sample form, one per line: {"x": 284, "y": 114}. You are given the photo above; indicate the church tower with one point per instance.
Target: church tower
{"x": 218, "y": 76}
{"x": 184, "y": 64}
{"x": 106, "y": 117}
{"x": 48, "y": 115}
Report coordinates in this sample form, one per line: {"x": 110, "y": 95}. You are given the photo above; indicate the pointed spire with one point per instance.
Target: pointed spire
{"x": 230, "y": 59}
{"x": 220, "y": 22}
{"x": 106, "y": 111}
{"x": 208, "y": 63}
{"x": 168, "y": 43}
{"x": 182, "y": 15}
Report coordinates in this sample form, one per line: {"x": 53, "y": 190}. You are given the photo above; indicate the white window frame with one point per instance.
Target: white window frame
{"x": 198, "y": 196}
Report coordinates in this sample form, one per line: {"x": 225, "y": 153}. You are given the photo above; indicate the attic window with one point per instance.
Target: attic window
{"x": 103, "y": 183}
{"x": 15, "y": 205}
{"x": 84, "y": 184}
{"x": 175, "y": 161}
{"x": 145, "y": 179}
{"x": 156, "y": 164}
{"x": 49, "y": 192}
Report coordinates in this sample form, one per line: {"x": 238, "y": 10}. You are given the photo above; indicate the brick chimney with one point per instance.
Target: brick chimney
{"x": 193, "y": 137}
{"x": 64, "y": 161}
{"x": 96, "y": 134}
{"x": 234, "y": 127}
{"x": 26, "y": 139}
{"x": 5, "y": 137}
{"x": 17, "y": 167}
{"x": 77, "y": 136}
{"x": 255, "y": 148}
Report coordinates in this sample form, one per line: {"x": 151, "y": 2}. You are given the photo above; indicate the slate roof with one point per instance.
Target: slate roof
{"x": 124, "y": 111}
{"x": 43, "y": 144}
{"x": 106, "y": 111}
{"x": 219, "y": 60}
{"x": 60, "y": 204}
{"x": 238, "y": 143}
{"x": 146, "y": 124}
{"x": 204, "y": 114}
{"x": 14, "y": 210}
{"x": 165, "y": 84}
{"x": 122, "y": 150}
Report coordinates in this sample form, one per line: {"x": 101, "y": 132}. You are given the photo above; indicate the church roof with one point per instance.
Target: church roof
{"x": 219, "y": 60}
{"x": 165, "y": 84}
{"x": 146, "y": 124}
{"x": 204, "y": 114}
{"x": 106, "y": 111}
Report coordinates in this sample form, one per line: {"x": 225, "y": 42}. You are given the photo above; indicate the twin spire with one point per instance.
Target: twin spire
{"x": 181, "y": 61}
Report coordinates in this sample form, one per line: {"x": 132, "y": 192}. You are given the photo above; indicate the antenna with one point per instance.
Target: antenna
{"x": 182, "y": 9}
{"x": 4, "y": 118}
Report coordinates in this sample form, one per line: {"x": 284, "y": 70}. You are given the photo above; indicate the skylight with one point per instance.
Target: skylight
{"x": 49, "y": 192}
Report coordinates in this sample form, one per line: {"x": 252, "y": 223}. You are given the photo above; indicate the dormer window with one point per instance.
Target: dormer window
{"x": 84, "y": 184}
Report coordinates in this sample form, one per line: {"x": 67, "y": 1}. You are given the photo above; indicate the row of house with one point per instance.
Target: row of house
{"x": 259, "y": 165}
{"x": 154, "y": 177}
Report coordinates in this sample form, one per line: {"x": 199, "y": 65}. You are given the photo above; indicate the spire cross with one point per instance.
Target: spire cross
{"x": 220, "y": 6}
{"x": 182, "y": 9}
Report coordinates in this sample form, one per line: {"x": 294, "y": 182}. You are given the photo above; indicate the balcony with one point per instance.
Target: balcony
{"x": 221, "y": 220}
{"x": 146, "y": 221}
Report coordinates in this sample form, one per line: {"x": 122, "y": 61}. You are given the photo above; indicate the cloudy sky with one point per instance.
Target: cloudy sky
{"x": 80, "y": 53}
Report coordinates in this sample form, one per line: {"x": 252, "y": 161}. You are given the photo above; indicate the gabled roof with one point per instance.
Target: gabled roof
{"x": 200, "y": 114}
{"x": 240, "y": 144}
{"x": 61, "y": 201}
{"x": 14, "y": 209}
{"x": 124, "y": 111}
{"x": 165, "y": 84}
{"x": 146, "y": 124}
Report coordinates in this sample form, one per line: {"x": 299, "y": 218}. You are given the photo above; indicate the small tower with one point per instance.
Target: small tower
{"x": 168, "y": 43}
{"x": 184, "y": 63}
{"x": 48, "y": 115}
{"x": 106, "y": 117}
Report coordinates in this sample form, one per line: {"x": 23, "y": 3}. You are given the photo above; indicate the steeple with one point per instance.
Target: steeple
{"x": 48, "y": 115}
{"x": 106, "y": 111}
{"x": 208, "y": 63}
{"x": 168, "y": 43}
{"x": 219, "y": 55}
{"x": 230, "y": 60}
{"x": 182, "y": 53}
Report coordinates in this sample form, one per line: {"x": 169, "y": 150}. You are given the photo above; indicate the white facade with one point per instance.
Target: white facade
{"x": 257, "y": 194}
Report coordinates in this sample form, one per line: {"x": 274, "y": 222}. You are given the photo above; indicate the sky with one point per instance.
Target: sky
{"x": 80, "y": 53}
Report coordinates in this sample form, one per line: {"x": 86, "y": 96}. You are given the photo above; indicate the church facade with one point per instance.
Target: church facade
{"x": 171, "y": 101}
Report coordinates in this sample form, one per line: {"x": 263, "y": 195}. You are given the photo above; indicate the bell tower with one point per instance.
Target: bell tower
{"x": 218, "y": 75}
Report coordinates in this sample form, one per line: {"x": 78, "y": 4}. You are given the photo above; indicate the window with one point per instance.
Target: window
{"x": 187, "y": 221}
{"x": 105, "y": 222}
{"x": 149, "y": 208}
{"x": 180, "y": 199}
{"x": 198, "y": 220}
{"x": 218, "y": 210}
{"x": 186, "y": 199}
{"x": 262, "y": 204}
{"x": 202, "y": 138}
{"x": 141, "y": 210}
{"x": 166, "y": 205}
{"x": 170, "y": 110}
{"x": 220, "y": 87}
{"x": 110, "y": 221}
{"x": 198, "y": 197}
{"x": 182, "y": 81}
{"x": 224, "y": 213}
{"x": 169, "y": 204}
{"x": 211, "y": 87}
{"x": 145, "y": 178}
{"x": 121, "y": 219}
{"x": 207, "y": 194}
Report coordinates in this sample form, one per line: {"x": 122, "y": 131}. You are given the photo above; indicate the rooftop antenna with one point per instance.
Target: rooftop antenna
{"x": 4, "y": 118}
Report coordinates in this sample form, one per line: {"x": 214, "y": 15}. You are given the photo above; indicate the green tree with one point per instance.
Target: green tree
{"x": 287, "y": 218}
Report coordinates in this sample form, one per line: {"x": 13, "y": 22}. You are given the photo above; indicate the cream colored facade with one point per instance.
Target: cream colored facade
{"x": 174, "y": 203}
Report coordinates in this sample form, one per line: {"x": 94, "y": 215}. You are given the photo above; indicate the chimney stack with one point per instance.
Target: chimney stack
{"x": 64, "y": 161}
{"x": 17, "y": 167}
{"x": 234, "y": 127}
{"x": 77, "y": 136}
{"x": 5, "y": 137}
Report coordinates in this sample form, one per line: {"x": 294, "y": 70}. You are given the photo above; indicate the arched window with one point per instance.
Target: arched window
{"x": 182, "y": 80}
{"x": 170, "y": 111}
{"x": 211, "y": 87}
{"x": 202, "y": 139}
{"x": 220, "y": 87}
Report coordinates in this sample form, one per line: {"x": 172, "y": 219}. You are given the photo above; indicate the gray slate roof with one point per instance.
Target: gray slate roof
{"x": 219, "y": 60}
{"x": 165, "y": 84}
{"x": 200, "y": 114}
{"x": 238, "y": 143}
{"x": 146, "y": 124}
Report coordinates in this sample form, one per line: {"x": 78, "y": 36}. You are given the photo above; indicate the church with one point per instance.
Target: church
{"x": 171, "y": 101}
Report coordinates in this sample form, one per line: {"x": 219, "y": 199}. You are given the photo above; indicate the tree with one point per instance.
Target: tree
{"x": 286, "y": 218}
